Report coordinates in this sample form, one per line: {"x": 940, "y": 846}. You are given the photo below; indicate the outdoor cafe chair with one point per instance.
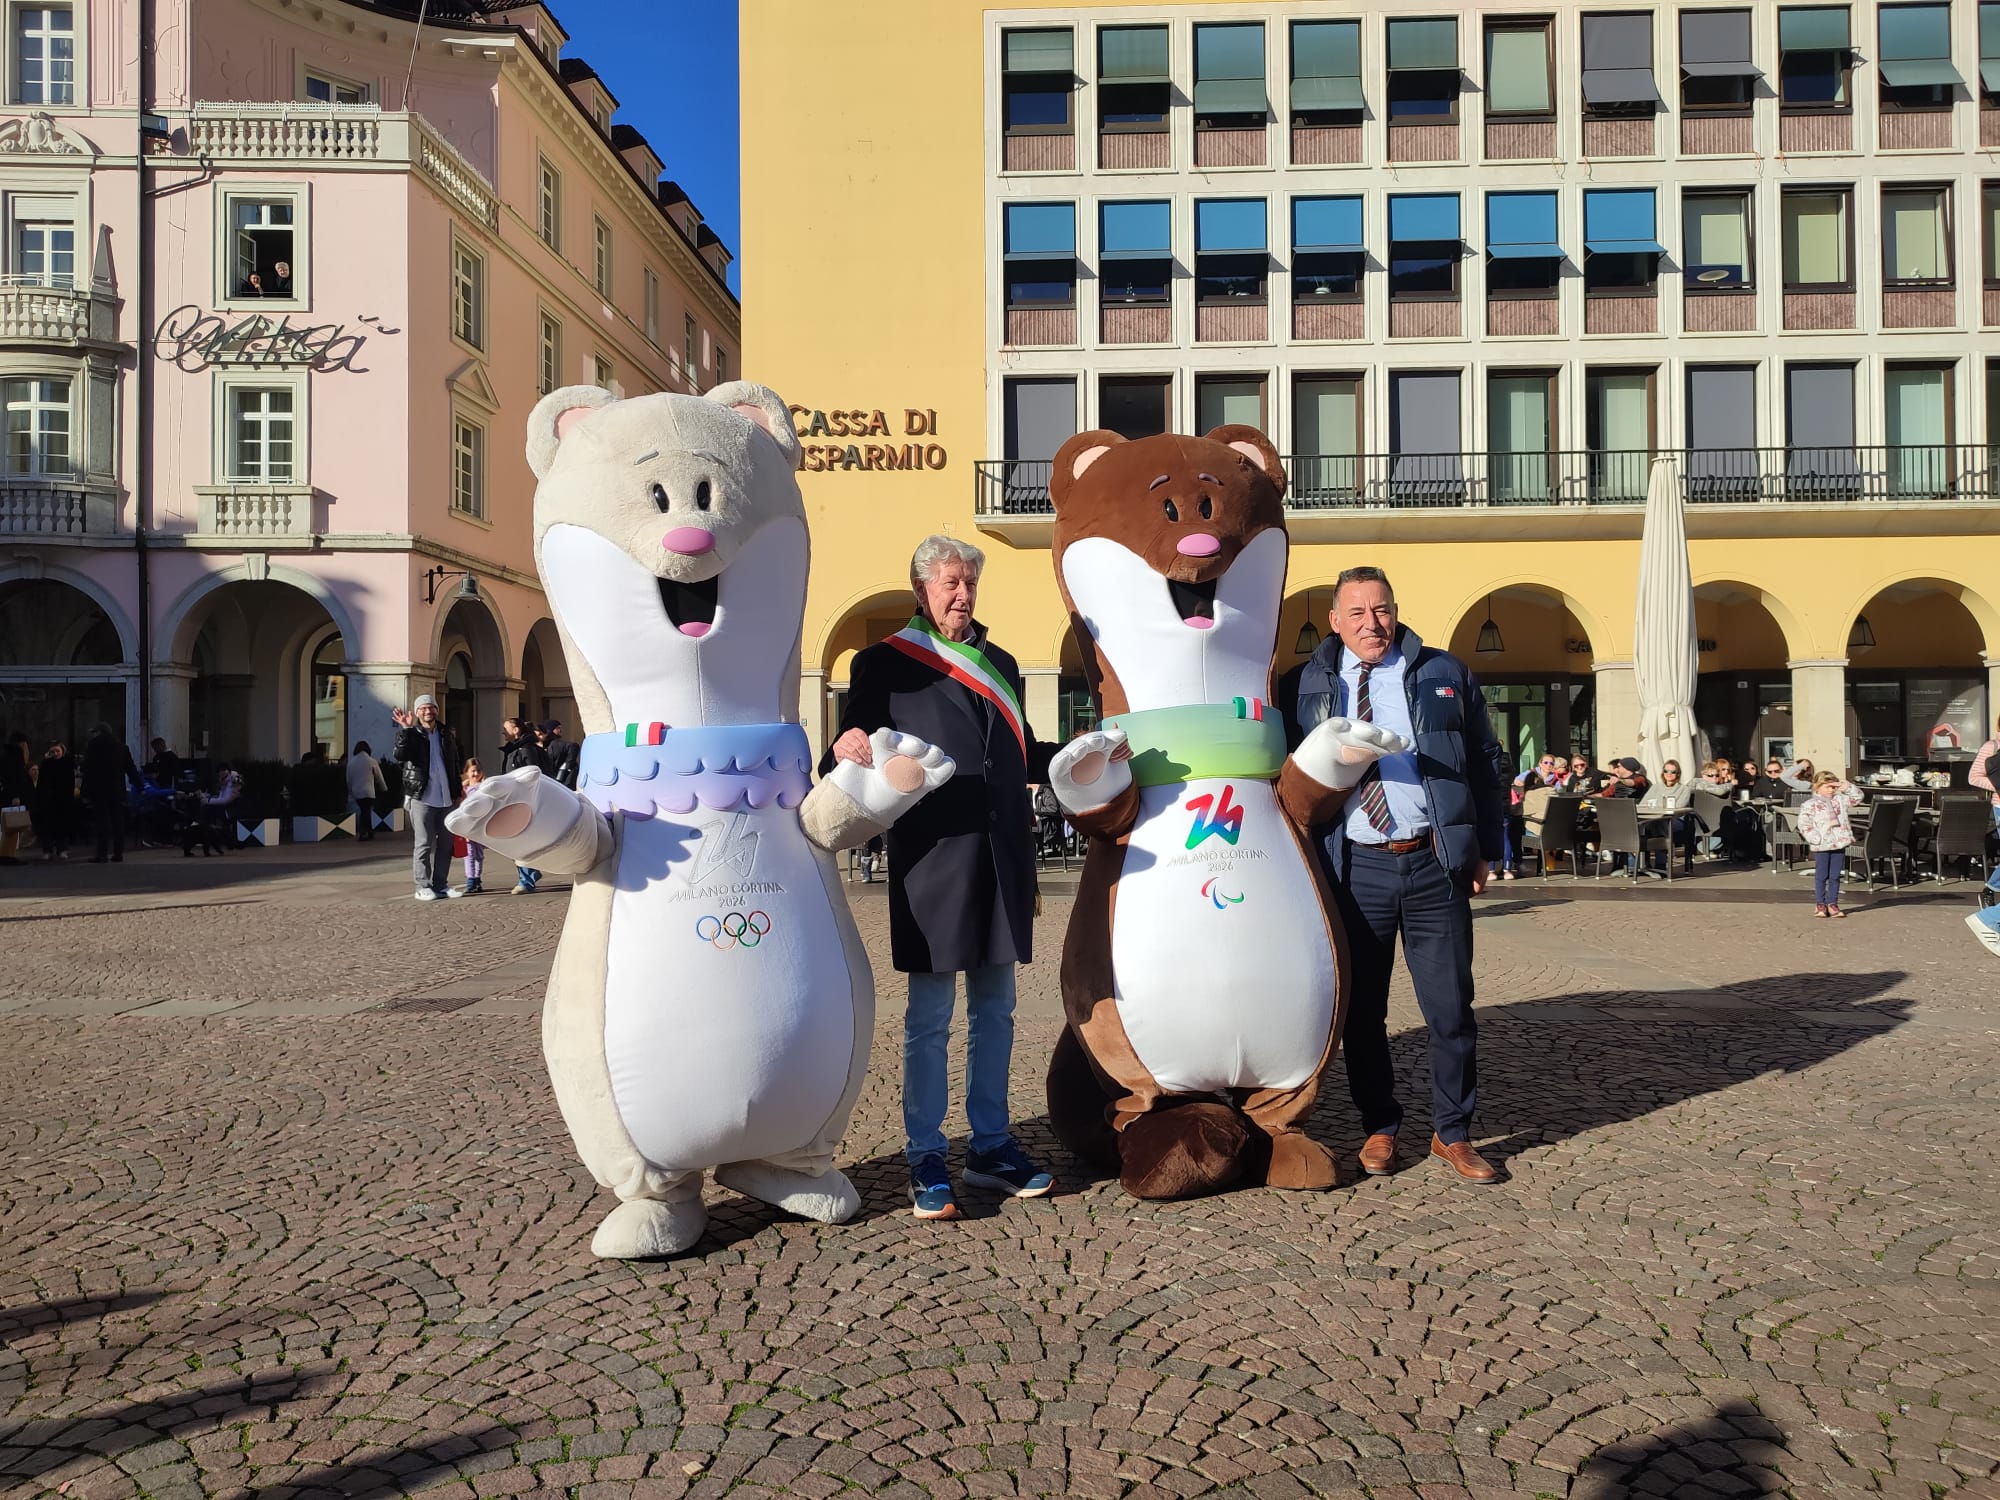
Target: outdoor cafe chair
{"x": 1787, "y": 843}
{"x": 1963, "y": 823}
{"x": 1618, "y": 832}
{"x": 1556, "y": 835}
{"x": 1709, "y": 809}
{"x": 1886, "y": 841}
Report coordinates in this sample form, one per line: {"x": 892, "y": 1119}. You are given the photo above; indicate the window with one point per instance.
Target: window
{"x": 549, "y": 206}
{"x": 1229, "y": 76}
{"x": 1916, "y": 237}
{"x": 548, "y": 375}
{"x": 721, "y": 364}
{"x": 1618, "y": 432}
{"x": 1620, "y": 251}
{"x": 1523, "y": 258}
{"x": 1717, "y": 75}
{"x": 44, "y": 253}
{"x": 38, "y": 426}
{"x": 1989, "y": 239}
{"x": 44, "y": 55}
{"x": 1815, "y": 57}
{"x": 468, "y": 468}
{"x": 260, "y": 434}
{"x": 1820, "y": 459}
{"x": 1716, "y": 254}
{"x": 1326, "y": 72}
{"x": 468, "y": 297}
{"x": 1135, "y": 406}
{"x": 1228, "y": 401}
{"x": 1722, "y": 432}
{"x": 1520, "y": 71}
{"x": 1817, "y": 248}
{"x": 1520, "y": 434}
{"x": 324, "y": 90}
{"x": 263, "y": 238}
{"x": 652, "y": 306}
{"x": 1038, "y": 417}
{"x": 1424, "y": 245}
{"x": 1038, "y": 79}
{"x": 1428, "y": 457}
{"x": 1989, "y": 52}
{"x": 1135, "y": 252}
{"x": 1618, "y": 65}
{"x": 1918, "y": 426}
{"x": 690, "y": 347}
{"x": 1134, "y": 88}
{"x": 1326, "y": 427}
{"x": 1040, "y": 259}
{"x": 1230, "y": 249}
{"x": 1423, "y": 72}
{"x": 1328, "y": 258}
{"x": 600, "y": 256}
{"x": 1916, "y": 57}
{"x": 600, "y": 371}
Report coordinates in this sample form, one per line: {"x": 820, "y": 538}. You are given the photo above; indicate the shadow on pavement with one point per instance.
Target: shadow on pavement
{"x": 400, "y": 1471}
{"x": 35, "y": 1317}
{"x": 1734, "y": 1452}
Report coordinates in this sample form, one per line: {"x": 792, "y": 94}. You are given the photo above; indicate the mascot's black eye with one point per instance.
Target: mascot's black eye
{"x": 1173, "y": 511}
{"x": 659, "y": 498}
{"x": 1207, "y": 507}
{"x": 701, "y": 496}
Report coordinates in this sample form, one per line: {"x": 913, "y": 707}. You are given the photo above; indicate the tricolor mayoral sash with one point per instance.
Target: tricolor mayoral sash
{"x": 965, "y": 664}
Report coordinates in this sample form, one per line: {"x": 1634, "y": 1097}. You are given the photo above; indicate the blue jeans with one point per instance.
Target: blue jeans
{"x": 525, "y": 876}
{"x": 989, "y": 1050}
{"x": 1827, "y": 865}
{"x": 1993, "y": 875}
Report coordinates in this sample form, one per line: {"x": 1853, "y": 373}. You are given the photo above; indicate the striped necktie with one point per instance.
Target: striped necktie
{"x": 1374, "y": 797}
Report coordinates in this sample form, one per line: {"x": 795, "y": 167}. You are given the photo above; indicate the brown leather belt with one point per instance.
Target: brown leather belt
{"x": 1402, "y": 846}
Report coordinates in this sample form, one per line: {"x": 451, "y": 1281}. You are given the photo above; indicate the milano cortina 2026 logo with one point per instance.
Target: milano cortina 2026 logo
{"x": 1216, "y": 815}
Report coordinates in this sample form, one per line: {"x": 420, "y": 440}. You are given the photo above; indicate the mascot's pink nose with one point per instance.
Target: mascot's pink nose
{"x": 689, "y": 541}
{"x": 1200, "y": 544}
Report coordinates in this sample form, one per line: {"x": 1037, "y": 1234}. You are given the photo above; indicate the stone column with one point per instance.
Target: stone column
{"x": 1617, "y": 711}
{"x": 813, "y": 710}
{"x": 1041, "y": 700}
{"x": 1992, "y": 688}
{"x": 170, "y": 708}
{"x": 374, "y": 688}
{"x": 493, "y": 699}
{"x": 1819, "y": 712}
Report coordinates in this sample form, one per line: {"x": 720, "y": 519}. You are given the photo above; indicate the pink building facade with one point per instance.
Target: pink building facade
{"x": 273, "y": 314}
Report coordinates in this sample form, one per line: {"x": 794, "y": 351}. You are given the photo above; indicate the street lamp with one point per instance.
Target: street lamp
{"x": 1489, "y": 643}
{"x": 1862, "y": 636}
{"x": 1309, "y": 637}
{"x": 468, "y": 586}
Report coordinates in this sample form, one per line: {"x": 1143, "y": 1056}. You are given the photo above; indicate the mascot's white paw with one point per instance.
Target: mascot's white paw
{"x": 1085, "y": 775}
{"x": 1339, "y": 752}
{"x": 828, "y": 1197}
{"x": 647, "y": 1229}
{"x": 905, "y": 770}
{"x": 521, "y": 813}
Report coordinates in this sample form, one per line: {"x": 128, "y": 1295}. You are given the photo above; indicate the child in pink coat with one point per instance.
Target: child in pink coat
{"x": 1823, "y": 825}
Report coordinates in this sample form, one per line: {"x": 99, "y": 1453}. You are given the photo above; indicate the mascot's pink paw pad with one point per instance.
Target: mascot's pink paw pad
{"x": 511, "y": 821}
{"x": 1088, "y": 769}
{"x": 903, "y": 772}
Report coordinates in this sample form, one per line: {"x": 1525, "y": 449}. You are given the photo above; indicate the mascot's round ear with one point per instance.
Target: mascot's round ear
{"x": 555, "y": 416}
{"x": 1254, "y": 447}
{"x": 1076, "y": 455}
{"x": 765, "y": 409}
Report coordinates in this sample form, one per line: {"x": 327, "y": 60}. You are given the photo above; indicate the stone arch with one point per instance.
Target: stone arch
{"x": 474, "y": 619}
{"x": 83, "y": 583}
{"x": 175, "y": 639}
{"x": 248, "y": 646}
{"x": 547, "y": 690}
{"x": 1729, "y": 589}
{"x": 1984, "y": 615}
{"x": 1541, "y": 644}
{"x": 850, "y": 627}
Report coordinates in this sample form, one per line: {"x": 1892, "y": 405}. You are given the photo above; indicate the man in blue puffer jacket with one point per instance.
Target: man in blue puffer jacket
{"x": 1406, "y": 853}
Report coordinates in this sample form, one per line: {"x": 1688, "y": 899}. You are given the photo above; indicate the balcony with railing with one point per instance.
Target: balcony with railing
{"x": 1935, "y": 472}
{"x": 40, "y": 309}
{"x": 337, "y": 136}
{"x": 52, "y": 507}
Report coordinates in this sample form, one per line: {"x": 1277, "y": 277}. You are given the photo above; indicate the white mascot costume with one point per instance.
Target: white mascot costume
{"x": 711, "y": 1006}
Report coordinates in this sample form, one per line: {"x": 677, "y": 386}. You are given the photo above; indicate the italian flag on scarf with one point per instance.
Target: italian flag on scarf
{"x": 964, "y": 664}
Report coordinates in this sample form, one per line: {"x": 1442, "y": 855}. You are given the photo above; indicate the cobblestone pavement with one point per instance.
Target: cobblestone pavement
{"x": 286, "y": 1208}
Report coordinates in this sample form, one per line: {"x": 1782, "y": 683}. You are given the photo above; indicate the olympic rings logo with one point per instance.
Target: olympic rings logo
{"x": 733, "y": 929}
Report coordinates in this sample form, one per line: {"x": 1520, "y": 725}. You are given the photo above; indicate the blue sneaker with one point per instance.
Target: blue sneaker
{"x": 930, "y": 1189}
{"x": 1007, "y": 1170}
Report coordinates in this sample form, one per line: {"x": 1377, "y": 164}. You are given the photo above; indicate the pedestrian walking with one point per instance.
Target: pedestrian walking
{"x": 1414, "y": 842}
{"x": 108, "y": 771}
{"x": 432, "y": 766}
{"x": 1824, "y": 825}
{"x": 52, "y": 814}
{"x": 519, "y": 750}
{"x": 961, "y": 865}
{"x": 475, "y": 854}
{"x": 559, "y": 756}
{"x": 365, "y": 783}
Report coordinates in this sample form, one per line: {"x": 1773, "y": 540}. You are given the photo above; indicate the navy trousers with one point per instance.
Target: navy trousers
{"x": 1379, "y": 895}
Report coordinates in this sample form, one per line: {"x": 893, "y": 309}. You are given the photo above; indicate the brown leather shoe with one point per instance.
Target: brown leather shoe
{"x": 1462, "y": 1159}
{"x": 1378, "y": 1154}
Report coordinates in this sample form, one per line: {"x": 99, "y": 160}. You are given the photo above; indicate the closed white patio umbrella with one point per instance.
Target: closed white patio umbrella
{"x": 1664, "y": 660}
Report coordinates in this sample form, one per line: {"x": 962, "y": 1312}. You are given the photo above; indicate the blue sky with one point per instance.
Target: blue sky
{"x": 672, "y": 64}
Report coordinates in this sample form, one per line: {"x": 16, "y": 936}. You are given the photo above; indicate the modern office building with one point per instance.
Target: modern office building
{"x": 1471, "y": 269}
{"x": 282, "y": 282}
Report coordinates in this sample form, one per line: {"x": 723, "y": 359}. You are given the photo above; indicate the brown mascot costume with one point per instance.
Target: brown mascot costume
{"x": 1204, "y": 973}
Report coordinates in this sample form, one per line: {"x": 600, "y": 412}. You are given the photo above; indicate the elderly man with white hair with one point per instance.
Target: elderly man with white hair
{"x": 961, "y": 865}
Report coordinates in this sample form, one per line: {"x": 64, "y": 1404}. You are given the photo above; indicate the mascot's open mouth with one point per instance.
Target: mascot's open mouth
{"x": 691, "y": 606}
{"x": 1195, "y": 601}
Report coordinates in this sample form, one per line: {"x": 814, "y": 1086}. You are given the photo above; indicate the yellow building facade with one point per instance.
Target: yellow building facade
{"x": 946, "y": 211}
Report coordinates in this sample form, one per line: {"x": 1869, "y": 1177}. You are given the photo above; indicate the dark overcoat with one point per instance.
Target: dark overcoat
{"x": 961, "y": 862}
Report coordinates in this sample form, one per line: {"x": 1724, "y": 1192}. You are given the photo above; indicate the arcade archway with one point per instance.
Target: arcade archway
{"x": 64, "y": 667}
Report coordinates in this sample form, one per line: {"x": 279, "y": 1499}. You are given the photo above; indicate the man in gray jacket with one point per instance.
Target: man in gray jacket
{"x": 1412, "y": 845}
